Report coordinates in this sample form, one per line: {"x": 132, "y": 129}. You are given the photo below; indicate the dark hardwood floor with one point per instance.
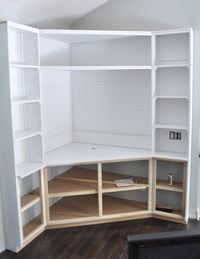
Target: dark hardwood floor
{"x": 104, "y": 241}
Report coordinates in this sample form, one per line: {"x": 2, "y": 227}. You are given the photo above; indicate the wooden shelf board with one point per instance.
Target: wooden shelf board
{"x": 60, "y": 188}
{"x": 172, "y": 64}
{"x": 171, "y": 97}
{"x": 75, "y": 207}
{"x": 80, "y": 181}
{"x": 79, "y": 153}
{"x": 32, "y": 226}
{"x": 163, "y": 185}
{"x": 85, "y": 68}
{"x": 21, "y": 100}
{"x": 168, "y": 126}
{"x": 29, "y": 200}
{"x": 24, "y": 134}
{"x": 113, "y": 205}
{"x": 175, "y": 215}
{"x": 28, "y": 168}
{"x": 87, "y": 206}
{"x": 170, "y": 155}
{"x": 24, "y": 66}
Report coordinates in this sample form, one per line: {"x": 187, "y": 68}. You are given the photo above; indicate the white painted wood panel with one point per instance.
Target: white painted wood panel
{"x": 54, "y": 53}
{"x": 163, "y": 143}
{"x": 173, "y": 49}
{"x": 172, "y": 112}
{"x": 56, "y": 109}
{"x": 23, "y": 47}
{"x": 127, "y": 51}
{"x": 112, "y": 106}
{"x": 172, "y": 82}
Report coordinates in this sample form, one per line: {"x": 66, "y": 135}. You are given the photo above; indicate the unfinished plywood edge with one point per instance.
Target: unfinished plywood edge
{"x": 180, "y": 220}
{"x": 84, "y": 176}
{"x": 98, "y": 220}
{"x": 32, "y": 235}
{"x": 163, "y": 185}
{"x": 29, "y": 200}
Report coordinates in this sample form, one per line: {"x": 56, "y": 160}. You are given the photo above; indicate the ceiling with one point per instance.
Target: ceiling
{"x": 47, "y": 13}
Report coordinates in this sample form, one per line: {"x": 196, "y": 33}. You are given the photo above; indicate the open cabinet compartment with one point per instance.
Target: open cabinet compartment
{"x": 125, "y": 202}
{"x": 172, "y": 49}
{"x": 163, "y": 143}
{"x": 122, "y": 51}
{"x": 172, "y": 82}
{"x": 75, "y": 181}
{"x": 26, "y": 120}
{"x": 137, "y": 171}
{"x": 74, "y": 207}
{"x": 23, "y": 47}
{"x": 172, "y": 112}
{"x": 169, "y": 201}
{"x": 32, "y": 220}
{"x": 28, "y": 156}
{"x": 176, "y": 169}
{"x": 25, "y": 84}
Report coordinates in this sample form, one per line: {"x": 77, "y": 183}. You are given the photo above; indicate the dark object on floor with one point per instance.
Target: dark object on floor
{"x": 173, "y": 245}
{"x": 164, "y": 209}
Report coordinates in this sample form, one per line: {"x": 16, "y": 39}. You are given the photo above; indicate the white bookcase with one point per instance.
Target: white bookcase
{"x": 81, "y": 109}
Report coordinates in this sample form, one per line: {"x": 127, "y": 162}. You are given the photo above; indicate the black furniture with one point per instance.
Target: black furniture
{"x": 166, "y": 245}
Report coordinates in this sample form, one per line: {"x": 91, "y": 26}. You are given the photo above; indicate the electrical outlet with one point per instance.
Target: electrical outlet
{"x": 174, "y": 135}
{"x": 171, "y": 135}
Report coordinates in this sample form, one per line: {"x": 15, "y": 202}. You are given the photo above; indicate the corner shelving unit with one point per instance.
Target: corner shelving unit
{"x": 82, "y": 109}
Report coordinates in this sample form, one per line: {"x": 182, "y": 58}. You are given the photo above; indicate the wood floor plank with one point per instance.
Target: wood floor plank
{"x": 104, "y": 241}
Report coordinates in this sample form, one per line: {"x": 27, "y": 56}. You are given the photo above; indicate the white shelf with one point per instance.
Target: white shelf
{"x": 24, "y": 66}
{"x": 167, "y": 126}
{"x": 171, "y": 155}
{"x": 85, "y": 68}
{"x": 172, "y": 65}
{"x": 24, "y": 100}
{"x": 24, "y": 134}
{"x": 28, "y": 168}
{"x": 77, "y": 153}
{"x": 171, "y": 97}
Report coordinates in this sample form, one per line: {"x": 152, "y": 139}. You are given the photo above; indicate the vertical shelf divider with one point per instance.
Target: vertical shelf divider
{"x": 100, "y": 198}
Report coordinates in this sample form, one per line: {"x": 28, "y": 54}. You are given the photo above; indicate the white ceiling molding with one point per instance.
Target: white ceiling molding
{"x": 48, "y": 13}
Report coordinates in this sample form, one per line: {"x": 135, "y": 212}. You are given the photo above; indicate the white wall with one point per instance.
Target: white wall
{"x": 2, "y": 241}
{"x": 156, "y": 15}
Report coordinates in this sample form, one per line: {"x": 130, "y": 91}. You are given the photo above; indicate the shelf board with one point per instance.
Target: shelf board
{"x": 75, "y": 207}
{"x": 29, "y": 200}
{"x": 87, "y": 206}
{"x": 28, "y": 168}
{"x": 184, "y": 64}
{"x": 21, "y": 100}
{"x": 168, "y": 126}
{"x": 176, "y": 215}
{"x": 114, "y": 205}
{"x": 24, "y": 66}
{"x": 171, "y": 97}
{"x": 108, "y": 185}
{"x": 62, "y": 188}
{"x": 24, "y": 134}
{"x": 78, "y": 153}
{"x": 163, "y": 185}
{"x": 170, "y": 155}
{"x": 31, "y": 227}
{"x": 85, "y": 68}
{"x": 80, "y": 181}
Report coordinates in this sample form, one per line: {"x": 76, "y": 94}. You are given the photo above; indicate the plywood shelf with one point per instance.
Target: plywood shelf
{"x": 113, "y": 205}
{"x": 29, "y": 200}
{"x": 32, "y": 227}
{"x": 60, "y": 188}
{"x": 87, "y": 206}
{"x": 28, "y": 168}
{"x": 163, "y": 185}
{"x": 79, "y": 181}
{"x": 21, "y": 100}
{"x": 74, "y": 207}
{"x": 24, "y": 134}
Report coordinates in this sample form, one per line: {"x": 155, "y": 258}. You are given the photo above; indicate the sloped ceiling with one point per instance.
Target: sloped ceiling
{"x": 47, "y": 13}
